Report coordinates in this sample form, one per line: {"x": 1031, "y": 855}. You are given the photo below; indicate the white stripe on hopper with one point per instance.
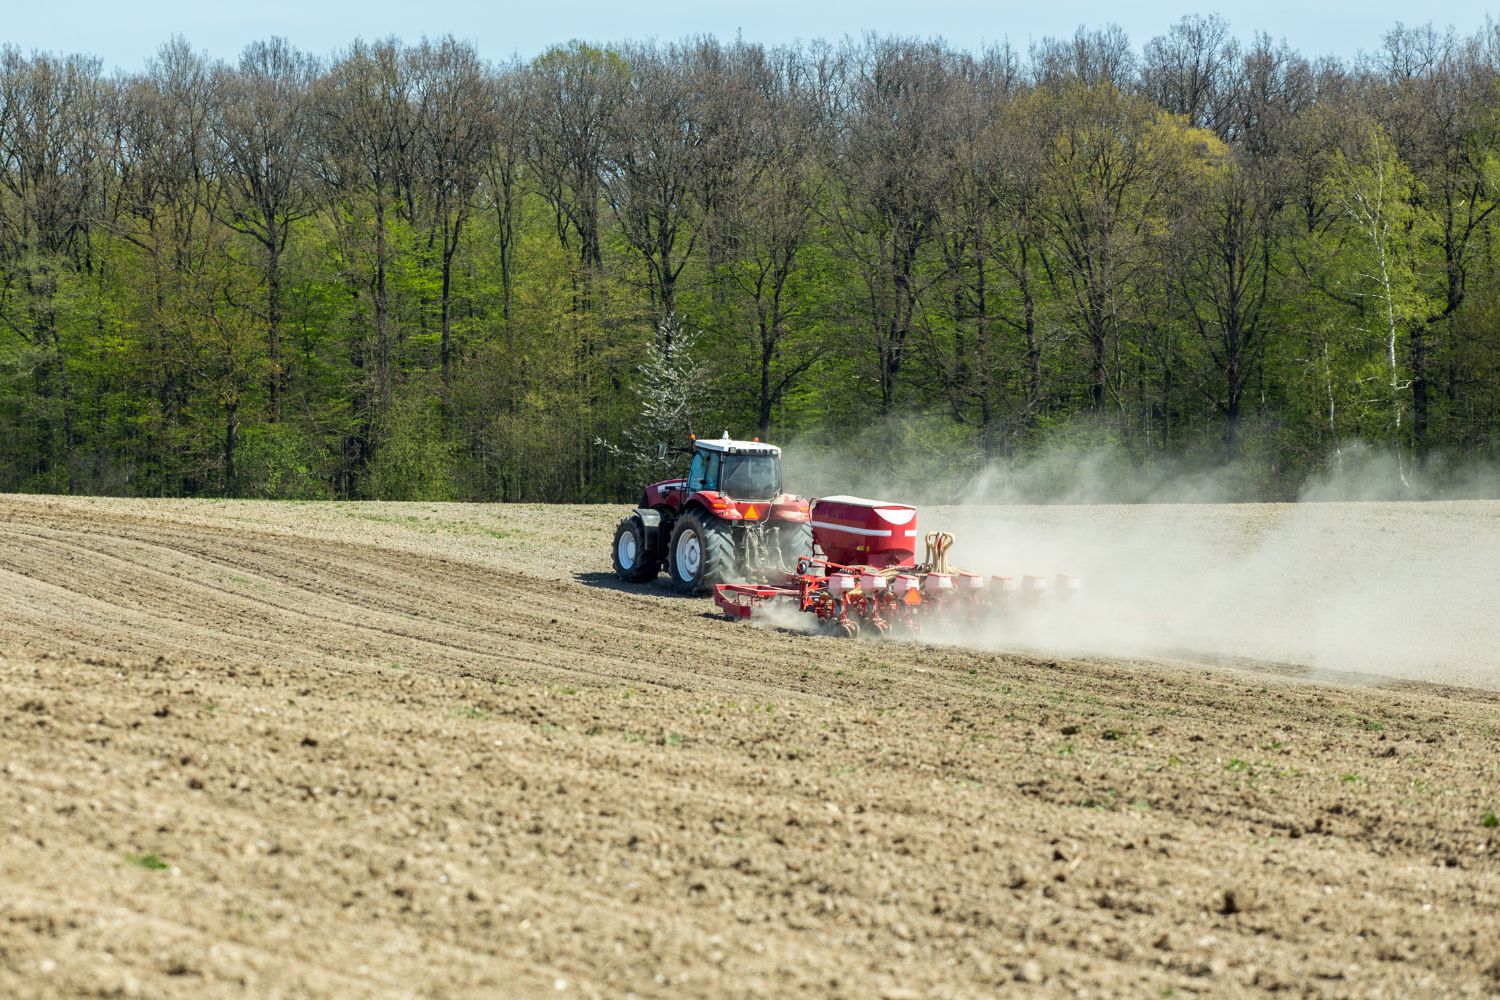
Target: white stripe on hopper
{"x": 871, "y": 532}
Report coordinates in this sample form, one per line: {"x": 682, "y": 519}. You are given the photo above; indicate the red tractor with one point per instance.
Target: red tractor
{"x": 726, "y": 520}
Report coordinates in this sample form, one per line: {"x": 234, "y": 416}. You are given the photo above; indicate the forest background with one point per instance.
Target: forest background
{"x": 404, "y": 272}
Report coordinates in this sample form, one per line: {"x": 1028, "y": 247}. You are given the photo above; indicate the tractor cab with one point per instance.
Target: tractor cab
{"x": 744, "y": 470}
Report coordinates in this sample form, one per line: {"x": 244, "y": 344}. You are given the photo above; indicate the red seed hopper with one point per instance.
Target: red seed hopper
{"x": 876, "y": 533}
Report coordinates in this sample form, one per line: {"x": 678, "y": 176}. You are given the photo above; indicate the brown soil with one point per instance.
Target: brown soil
{"x": 432, "y": 750}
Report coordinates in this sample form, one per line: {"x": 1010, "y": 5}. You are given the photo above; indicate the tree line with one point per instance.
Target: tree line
{"x": 406, "y": 272}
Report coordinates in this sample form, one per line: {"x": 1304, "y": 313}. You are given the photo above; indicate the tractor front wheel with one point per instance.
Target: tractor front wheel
{"x": 701, "y": 554}
{"x": 633, "y": 563}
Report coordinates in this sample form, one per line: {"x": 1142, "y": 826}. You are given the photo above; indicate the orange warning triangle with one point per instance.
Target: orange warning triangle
{"x": 750, "y": 511}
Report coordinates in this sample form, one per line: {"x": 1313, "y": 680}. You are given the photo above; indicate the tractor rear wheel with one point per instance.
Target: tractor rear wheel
{"x": 701, "y": 554}
{"x": 633, "y": 563}
{"x": 793, "y": 540}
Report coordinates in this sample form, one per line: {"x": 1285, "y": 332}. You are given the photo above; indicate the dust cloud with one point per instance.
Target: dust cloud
{"x": 1374, "y": 589}
{"x": 1354, "y": 580}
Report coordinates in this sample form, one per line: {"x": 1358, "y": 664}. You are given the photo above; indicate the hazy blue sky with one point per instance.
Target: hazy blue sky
{"x": 125, "y": 33}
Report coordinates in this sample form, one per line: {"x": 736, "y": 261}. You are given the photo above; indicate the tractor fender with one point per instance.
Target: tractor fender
{"x": 651, "y": 533}
{"x": 789, "y": 508}
{"x": 714, "y": 505}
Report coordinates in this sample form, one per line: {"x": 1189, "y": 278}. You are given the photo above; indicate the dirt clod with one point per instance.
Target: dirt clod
{"x": 1237, "y": 900}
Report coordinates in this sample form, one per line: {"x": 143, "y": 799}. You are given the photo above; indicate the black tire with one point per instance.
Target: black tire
{"x": 708, "y": 538}
{"x": 793, "y": 540}
{"x": 633, "y": 563}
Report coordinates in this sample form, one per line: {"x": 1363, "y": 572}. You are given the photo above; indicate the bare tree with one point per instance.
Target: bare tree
{"x": 769, "y": 208}
{"x": 164, "y": 189}
{"x": 1188, "y": 71}
{"x": 1219, "y": 259}
{"x": 501, "y": 190}
{"x": 967, "y": 244}
{"x": 365, "y": 127}
{"x": 455, "y": 125}
{"x": 1268, "y": 89}
{"x": 49, "y": 154}
{"x": 263, "y": 131}
{"x": 1103, "y": 184}
{"x": 574, "y": 94}
{"x": 893, "y": 162}
{"x": 1012, "y": 160}
{"x": 1091, "y": 57}
{"x": 653, "y": 165}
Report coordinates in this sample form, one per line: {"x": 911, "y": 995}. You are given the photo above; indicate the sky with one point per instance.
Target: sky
{"x": 124, "y": 35}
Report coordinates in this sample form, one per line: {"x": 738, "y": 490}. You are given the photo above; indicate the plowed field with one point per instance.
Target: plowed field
{"x": 432, "y": 750}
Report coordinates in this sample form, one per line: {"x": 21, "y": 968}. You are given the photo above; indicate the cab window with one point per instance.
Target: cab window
{"x": 703, "y": 474}
{"x": 751, "y": 477}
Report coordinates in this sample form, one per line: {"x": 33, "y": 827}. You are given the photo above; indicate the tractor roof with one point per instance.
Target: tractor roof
{"x": 732, "y": 447}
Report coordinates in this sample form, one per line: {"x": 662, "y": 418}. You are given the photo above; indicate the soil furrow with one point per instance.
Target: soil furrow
{"x": 433, "y": 750}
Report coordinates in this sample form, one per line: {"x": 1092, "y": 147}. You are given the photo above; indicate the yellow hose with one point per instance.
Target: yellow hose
{"x": 938, "y": 544}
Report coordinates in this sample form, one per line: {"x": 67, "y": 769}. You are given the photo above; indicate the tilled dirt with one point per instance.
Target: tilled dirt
{"x": 432, "y": 750}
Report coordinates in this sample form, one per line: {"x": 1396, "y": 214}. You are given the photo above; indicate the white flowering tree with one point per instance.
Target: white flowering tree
{"x": 669, "y": 388}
